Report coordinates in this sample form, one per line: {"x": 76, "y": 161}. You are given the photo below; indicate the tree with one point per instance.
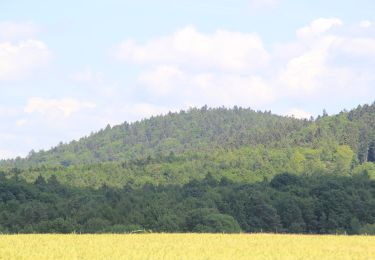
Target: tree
{"x": 207, "y": 221}
{"x": 290, "y": 214}
{"x": 253, "y": 213}
{"x": 371, "y": 152}
{"x": 40, "y": 181}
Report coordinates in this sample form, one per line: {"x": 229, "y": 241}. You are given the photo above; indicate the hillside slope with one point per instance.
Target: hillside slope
{"x": 239, "y": 144}
{"x": 194, "y": 130}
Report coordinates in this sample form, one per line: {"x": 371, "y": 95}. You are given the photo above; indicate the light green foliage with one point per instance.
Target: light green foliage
{"x": 367, "y": 168}
{"x": 248, "y": 164}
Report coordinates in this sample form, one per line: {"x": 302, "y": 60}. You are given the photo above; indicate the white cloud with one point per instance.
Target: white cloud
{"x": 192, "y": 68}
{"x": 214, "y": 89}
{"x": 197, "y": 68}
{"x": 17, "y": 30}
{"x": 20, "y": 60}
{"x": 222, "y": 50}
{"x": 365, "y": 24}
{"x": 302, "y": 73}
{"x": 322, "y": 61}
{"x": 299, "y": 113}
{"x": 55, "y": 108}
{"x": 162, "y": 80}
{"x": 22, "y": 122}
{"x": 20, "y": 54}
{"x": 231, "y": 89}
{"x": 318, "y": 27}
{"x": 356, "y": 47}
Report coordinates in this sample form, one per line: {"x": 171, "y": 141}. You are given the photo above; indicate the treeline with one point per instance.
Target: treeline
{"x": 287, "y": 204}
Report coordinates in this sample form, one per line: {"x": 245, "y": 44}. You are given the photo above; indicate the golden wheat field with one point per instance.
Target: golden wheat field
{"x": 186, "y": 246}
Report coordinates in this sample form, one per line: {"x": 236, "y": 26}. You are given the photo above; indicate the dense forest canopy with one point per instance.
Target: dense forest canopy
{"x": 287, "y": 204}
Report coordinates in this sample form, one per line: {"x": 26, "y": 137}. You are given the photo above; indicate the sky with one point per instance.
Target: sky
{"x": 69, "y": 68}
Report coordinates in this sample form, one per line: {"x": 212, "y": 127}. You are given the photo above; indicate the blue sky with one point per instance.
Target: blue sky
{"x": 68, "y": 68}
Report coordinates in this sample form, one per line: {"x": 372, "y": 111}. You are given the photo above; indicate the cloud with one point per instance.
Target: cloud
{"x": 17, "y": 30}
{"x": 193, "y": 68}
{"x": 365, "y": 24}
{"x": 299, "y": 113}
{"x": 20, "y": 60}
{"x": 162, "y": 80}
{"x": 55, "y": 108}
{"x": 322, "y": 60}
{"x": 301, "y": 75}
{"x": 363, "y": 48}
{"x": 20, "y": 54}
{"x": 188, "y": 48}
{"x": 189, "y": 67}
{"x": 196, "y": 89}
{"x": 318, "y": 27}
{"x": 22, "y": 122}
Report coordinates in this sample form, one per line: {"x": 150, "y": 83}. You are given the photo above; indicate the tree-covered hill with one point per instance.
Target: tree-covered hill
{"x": 240, "y": 144}
{"x": 202, "y": 129}
{"x": 355, "y": 128}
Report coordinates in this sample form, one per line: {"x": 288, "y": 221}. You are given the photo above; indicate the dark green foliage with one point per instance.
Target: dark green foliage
{"x": 283, "y": 180}
{"x": 368, "y": 229}
{"x": 290, "y": 213}
{"x": 316, "y": 204}
{"x": 371, "y": 152}
{"x": 253, "y": 210}
{"x": 214, "y": 223}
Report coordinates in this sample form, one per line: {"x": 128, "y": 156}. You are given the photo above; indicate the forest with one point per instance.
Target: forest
{"x": 286, "y": 204}
{"x": 201, "y": 170}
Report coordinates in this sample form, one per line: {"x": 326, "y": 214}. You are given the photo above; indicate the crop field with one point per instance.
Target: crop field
{"x": 186, "y": 246}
